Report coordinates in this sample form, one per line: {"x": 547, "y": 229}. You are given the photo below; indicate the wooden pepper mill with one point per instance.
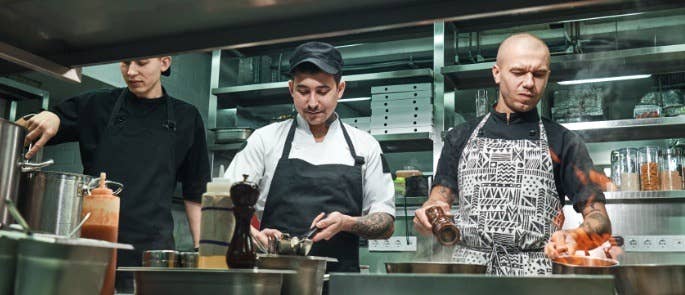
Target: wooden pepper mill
{"x": 443, "y": 228}
{"x": 241, "y": 252}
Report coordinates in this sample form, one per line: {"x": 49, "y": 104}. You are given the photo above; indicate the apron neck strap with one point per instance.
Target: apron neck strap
{"x": 169, "y": 123}
{"x": 291, "y": 135}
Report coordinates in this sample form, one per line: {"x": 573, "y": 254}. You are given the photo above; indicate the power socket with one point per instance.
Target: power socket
{"x": 393, "y": 244}
{"x": 673, "y": 243}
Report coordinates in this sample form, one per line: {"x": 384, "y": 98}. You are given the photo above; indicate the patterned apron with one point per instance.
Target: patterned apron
{"x": 508, "y": 204}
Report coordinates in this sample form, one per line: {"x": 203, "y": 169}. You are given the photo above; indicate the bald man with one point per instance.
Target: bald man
{"x": 512, "y": 172}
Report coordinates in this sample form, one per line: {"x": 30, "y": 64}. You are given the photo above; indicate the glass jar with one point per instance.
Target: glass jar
{"x": 648, "y": 157}
{"x": 670, "y": 171}
{"x": 481, "y": 102}
{"x": 624, "y": 167}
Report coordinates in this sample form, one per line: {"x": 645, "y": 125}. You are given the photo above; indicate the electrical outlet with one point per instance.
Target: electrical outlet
{"x": 393, "y": 244}
{"x": 654, "y": 243}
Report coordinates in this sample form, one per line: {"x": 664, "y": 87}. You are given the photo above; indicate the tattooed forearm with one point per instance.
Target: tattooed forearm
{"x": 374, "y": 226}
{"x": 443, "y": 194}
{"x": 596, "y": 226}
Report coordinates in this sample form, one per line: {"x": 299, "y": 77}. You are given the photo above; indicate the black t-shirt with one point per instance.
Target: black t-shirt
{"x": 572, "y": 163}
{"x": 84, "y": 119}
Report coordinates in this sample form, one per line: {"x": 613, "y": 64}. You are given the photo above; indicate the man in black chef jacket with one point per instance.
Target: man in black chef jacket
{"x": 142, "y": 137}
{"x": 511, "y": 171}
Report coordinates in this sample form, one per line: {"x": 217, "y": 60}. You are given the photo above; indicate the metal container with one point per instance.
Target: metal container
{"x": 188, "y": 259}
{"x": 231, "y": 135}
{"x": 48, "y": 264}
{"x": 434, "y": 267}
{"x": 310, "y": 272}
{"x": 160, "y": 258}
{"x": 183, "y": 281}
{"x": 650, "y": 279}
{"x": 51, "y": 202}
{"x": 584, "y": 265}
{"x": 9, "y": 241}
{"x": 12, "y": 163}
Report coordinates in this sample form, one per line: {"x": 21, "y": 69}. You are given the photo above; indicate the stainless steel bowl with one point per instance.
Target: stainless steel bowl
{"x": 434, "y": 267}
{"x": 310, "y": 272}
{"x": 583, "y": 265}
{"x": 160, "y": 258}
{"x": 650, "y": 279}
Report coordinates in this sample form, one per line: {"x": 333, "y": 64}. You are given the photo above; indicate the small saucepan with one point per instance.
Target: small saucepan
{"x": 585, "y": 265}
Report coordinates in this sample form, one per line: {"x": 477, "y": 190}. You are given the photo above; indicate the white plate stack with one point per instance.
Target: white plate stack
{"x": 405, "y": 108}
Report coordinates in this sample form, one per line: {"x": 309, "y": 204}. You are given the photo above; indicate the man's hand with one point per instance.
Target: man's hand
{"x": 440, "y": 196}
{"x": 377, "y": 225}
{"x": 593, "y": 232}
{"x": 262, "y": 237}
{"x": 42, "y": 127}
{"x": 330, "y": 226}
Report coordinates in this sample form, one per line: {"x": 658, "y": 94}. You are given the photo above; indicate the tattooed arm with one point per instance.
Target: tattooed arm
{"x": 593, "y": 232}
{"x": 376, "y": 225}
{"x": 441, "y": 196}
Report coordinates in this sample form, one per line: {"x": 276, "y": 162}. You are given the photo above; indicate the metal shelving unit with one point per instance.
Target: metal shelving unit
{"x": 631, "y": 129}
{"x": 645, "y": 196}
{"x": 409, "y": 142}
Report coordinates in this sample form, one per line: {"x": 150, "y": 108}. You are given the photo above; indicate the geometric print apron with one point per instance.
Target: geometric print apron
{"x": 508, "y": 204}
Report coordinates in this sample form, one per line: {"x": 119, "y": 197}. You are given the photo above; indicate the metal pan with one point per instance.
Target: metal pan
{"x": 231, "y": 135}
{"x": 434, "y": 267}
{"x": 583, "y": 265}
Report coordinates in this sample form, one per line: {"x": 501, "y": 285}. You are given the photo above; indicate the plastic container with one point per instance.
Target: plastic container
{"x": 217, "y": 224}
{"x": 649, "y": 168}
{"x": 670, "y": 172}
{"x": 103, "y": 224}
{"x": 624, "y": 169}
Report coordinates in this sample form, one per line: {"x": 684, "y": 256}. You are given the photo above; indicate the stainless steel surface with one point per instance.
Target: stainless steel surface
{"x": 95, "y": 182}
{"x": 434, "y": 268}
{"x": 56, "y": 265}
{"x": 161, "y": 258}
{"x": 583, "y": 265}
{"x": 231, "y": 135}
{"x": 39, "y": 64}
{"x": 31, "y": 167}
{"x": 16, "y": 215}
{"x": 77, "y": 228}
{"x": 51, "y": 202}
{"x": 420, "y": 141}
{"x": 172, "y": 281}
{"x": 11, "y": 144}
{"x": 646, "y": 196}
{"x": 658, "y": 217}
{"x": 650, "y": 279}
{"x": 310, "y": 272}
{"x": 9, "y": 240}
{"x": 230, "y": 147}
{"x": 412, "y": 284}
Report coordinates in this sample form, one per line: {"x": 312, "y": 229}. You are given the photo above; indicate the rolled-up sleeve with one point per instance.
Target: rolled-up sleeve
{"x": 379, "y": 190}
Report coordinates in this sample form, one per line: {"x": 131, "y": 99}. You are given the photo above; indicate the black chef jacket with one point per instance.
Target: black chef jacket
{"x": 571, "y": 170}
{"x": 84, "y": 119}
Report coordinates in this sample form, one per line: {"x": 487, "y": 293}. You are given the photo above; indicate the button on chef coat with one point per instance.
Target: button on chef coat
{"x": 260, "y": 156}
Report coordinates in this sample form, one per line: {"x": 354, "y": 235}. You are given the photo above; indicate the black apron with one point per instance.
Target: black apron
{"x": 140, "y": 153}
{"x": 300, "y": 191}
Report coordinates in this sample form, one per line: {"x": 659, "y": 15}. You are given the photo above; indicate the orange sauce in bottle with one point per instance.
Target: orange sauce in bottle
{"x": 103, "y": 224}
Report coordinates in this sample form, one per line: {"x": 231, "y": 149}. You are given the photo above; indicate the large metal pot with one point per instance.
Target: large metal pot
{"x": 51, "y": 202}
{"x": 584, "y": 265}
{"x": 12, "y": 163}
{"x": 434, "y": 268}
{"x": 310, "y": 272}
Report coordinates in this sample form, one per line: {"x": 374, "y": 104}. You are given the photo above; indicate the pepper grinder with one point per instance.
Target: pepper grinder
{"x": 443, "y": 228}
{"x": 241, "y": 252}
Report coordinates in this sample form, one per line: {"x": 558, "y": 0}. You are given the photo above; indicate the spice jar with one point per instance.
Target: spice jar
{"x": 670, "y": 172}
{"x": 648, "y": 158}
{"x": 624, "y": 166}
{"x": 443, "y": 228}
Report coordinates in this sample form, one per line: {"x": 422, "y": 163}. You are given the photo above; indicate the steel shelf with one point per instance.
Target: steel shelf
{"x": 648, "y": 60}
{"x": 613, "y": 197}
{"x": 630, "y": 129}
{"x": 229, "y": 147}
{"x": 407, "y": 142}
{"x": 277, "y": 92}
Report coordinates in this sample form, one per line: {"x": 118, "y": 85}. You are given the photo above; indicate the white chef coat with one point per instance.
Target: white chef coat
{"x": 259, "y": 158}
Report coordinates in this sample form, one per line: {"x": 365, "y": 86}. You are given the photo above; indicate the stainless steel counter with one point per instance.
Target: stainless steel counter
{"x": 397, "y": 284}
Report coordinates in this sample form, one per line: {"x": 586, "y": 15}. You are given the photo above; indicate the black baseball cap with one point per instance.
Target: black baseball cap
{"x": 322, "y": 55}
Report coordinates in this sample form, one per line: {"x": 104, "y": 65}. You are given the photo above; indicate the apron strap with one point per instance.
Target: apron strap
{"x": 358, "y": 161}
{"x": 169, "y": 123}
{"x": 495, "y": 261}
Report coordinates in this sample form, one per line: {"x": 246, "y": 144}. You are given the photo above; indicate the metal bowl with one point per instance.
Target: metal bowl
{"x": 434, "y": 267}
{"x": 650, "y": 279}
{"x": 310, "y": 272}
{"x": 583, "y": 265}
